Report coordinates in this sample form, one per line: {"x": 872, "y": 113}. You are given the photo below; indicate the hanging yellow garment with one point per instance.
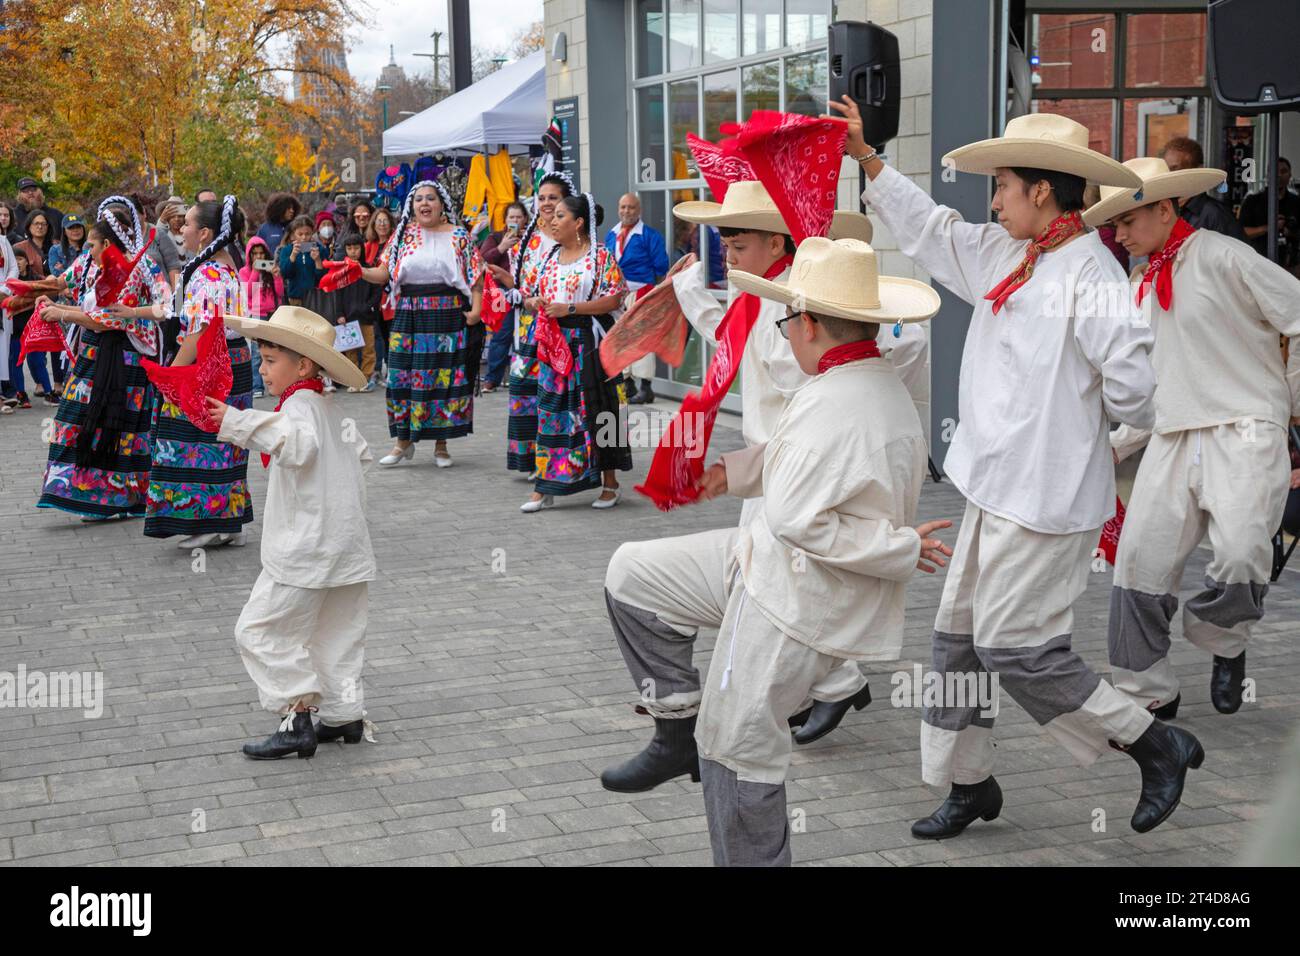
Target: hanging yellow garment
{"x": 501, "y": 187}
{"x": 489, "y": 190}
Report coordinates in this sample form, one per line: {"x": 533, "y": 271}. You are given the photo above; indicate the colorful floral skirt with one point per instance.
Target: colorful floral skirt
{"x": 521, "y": 430}
{"x": 580, "y": 432}
{"x": 199, "y": 485}
{"x": 99, "y": 492}
{"x": 430, "y": 385}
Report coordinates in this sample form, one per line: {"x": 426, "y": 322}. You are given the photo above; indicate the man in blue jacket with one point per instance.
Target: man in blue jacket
{"x": 643, "y": 259}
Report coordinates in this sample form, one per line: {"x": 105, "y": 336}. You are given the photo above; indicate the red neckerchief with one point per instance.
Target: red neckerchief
{"x": 1160, "y": 267}
{"x": 1058, "y": 230}
{"x": 848, "y": 352}
{"x": 311, "y": 385}
{"x": 678, "y": 462}
{"x": 622, "y": 238}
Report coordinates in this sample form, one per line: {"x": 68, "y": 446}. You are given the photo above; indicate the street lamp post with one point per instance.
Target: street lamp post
{"x": 385, "y": 89}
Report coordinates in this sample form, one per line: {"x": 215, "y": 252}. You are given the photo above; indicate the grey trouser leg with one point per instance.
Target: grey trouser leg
{"x": 659, "y": 594}
{"x": 748, "y": 825}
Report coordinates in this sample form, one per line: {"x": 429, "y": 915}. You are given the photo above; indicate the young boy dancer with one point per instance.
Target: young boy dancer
{"x": 814, "y": 579}
{"x": 1217, "y": 462}
{"x": 1044, "y": 368}
{"x": 302, "y": 632}
{"x": 757, "y": 241}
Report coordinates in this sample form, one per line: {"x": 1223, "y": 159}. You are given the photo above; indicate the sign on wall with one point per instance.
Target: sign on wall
{"x": 566, "y": 114}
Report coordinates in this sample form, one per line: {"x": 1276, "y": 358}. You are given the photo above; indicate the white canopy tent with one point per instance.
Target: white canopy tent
{"x": 506, "y": 108}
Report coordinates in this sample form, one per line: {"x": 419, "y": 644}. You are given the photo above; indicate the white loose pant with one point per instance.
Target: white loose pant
{"x": 1228, "y": 481}
{"x": 1008, "y": 609}
{"x": 306, "y": 645}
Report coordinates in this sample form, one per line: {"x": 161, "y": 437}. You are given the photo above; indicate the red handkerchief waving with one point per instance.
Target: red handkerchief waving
{"x": 718, "y": 167}
{"x": 654, "y": 324}
{"x": 797, "y": 158}
{"x": 188, "y": 386}
{"x": 41, "y": 336}
{"x": 552, "y": 346}
{"x": 339, "y": 274}
{"x": 495, "y": 305}
{"x": 114, "y": 271}
{"x": 1109, "y": 543}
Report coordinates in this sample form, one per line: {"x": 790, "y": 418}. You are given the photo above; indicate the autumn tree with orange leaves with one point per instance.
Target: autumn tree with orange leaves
{"x": 171, "y": 94}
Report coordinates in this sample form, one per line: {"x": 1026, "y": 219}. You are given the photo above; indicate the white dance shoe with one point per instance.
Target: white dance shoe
{"x": 602, "y": 503}
{"x": 441, "y": 459}
{"x": 528, "y": 507}
{"x": 406, "y": 454}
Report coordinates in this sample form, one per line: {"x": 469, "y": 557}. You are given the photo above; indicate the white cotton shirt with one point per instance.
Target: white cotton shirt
{"x": 314, "y": 532}
{"x": 830, "y": 552}
{"x": 435, "y": 261}
{"x": 1041, "y": 380}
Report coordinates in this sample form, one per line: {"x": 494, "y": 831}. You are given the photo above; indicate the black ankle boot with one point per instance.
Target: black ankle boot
{"x": 349, "y": 733}
{"x": 295, "y": 736}
{"x": 669, "y": 754}
{"x": 1164, "y": 753}
{"x": 826, "y": 715}
{"x": 966, "y": 803}
{"x": 1225, "y": 683}
{"x": 1166, "y": 711}
{"x": 644, "y": 395}
{"x": 799, "y": 719}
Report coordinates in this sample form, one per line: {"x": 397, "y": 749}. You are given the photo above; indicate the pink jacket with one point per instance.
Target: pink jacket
{"x": 261, "y": 302}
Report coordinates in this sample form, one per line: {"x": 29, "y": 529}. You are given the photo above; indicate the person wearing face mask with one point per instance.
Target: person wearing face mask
{"x": 436, "y": 276}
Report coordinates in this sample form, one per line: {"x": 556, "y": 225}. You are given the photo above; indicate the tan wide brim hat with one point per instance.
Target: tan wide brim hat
{"x": 1158, "y": 182}
{"x": 747, "y": 205}
{"x": 303, "y": 331}
{"x": 841, "y": 278}
{"x": 1042, "y": 141}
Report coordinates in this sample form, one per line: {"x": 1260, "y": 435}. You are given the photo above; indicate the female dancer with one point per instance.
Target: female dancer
{"x": 98, "y": 464}
{"x": 435, "y": 277}
{"x": 525, "y": 268}
{"x": 579, "y": 439}
{"x": 199, "y": 486}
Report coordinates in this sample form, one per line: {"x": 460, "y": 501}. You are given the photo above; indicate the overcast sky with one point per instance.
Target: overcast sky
{"x": 406, "y": 24}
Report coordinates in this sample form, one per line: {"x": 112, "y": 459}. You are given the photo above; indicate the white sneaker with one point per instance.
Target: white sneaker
{"x": 528, "y": 507}
{"x": 393, "y": 458}
{"x": 601, "y": 503}
{"x": 442, "y": 459}
{"x": 199, "y": 541}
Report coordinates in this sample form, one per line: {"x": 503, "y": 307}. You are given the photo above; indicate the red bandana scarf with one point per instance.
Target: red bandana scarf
{"x": 849, "y": 352}
{"x": 1160, "y": 267}
{"x": 1058, "y": 231}
{"x": 189, "y": 387}
{"x": 311, "y": 385}
{"x": 678, "y": 462}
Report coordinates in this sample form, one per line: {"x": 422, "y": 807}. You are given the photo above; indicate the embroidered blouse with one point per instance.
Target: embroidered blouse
{"x": 146, "y": 286}
{"x": 426, "y": 256}
{"x": 214, "y": 285}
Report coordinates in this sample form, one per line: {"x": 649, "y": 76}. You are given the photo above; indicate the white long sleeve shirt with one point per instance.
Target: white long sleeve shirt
{"x": 1042, "y": 379}
{"x": 828, "y": 556}
{"x": 314, "y": 532}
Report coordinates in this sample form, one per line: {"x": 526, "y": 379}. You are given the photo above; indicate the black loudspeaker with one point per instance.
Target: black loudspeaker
{"x": 1252, "y": 54}
{"x": 864, "y": 64}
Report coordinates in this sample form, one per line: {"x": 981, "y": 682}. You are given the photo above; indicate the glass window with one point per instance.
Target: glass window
{"x": 1098, "y": 115}
{"x": 719, "y": 103}
{"x": 760, "y": 25}
{"x": 1165, "y": 49}
{"x": 651, "y": 159}
{"x": 684, "y": 238}
{"x": 1075, "y": 50}
{"x": 760, "y": 88}
{"x": 1150, "y": 123}
{"x": 654, "y": 210}
{"x": 649, "y": 37}
{"x": 719, "y": 30}
{"x": 683, "y": 34}
{"x": 684, "y": 113}
{"x": 806, "y": 83}
{"x": 806, "y": 21}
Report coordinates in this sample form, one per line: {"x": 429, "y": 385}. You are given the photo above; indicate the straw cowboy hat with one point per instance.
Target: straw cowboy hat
{"x": 1043, "y": 141}
{"x": 840, "y": 278}
{"x": 303, "y": 331}
{"x": 1157, "y": 183}
{"x": 747, "y": 205}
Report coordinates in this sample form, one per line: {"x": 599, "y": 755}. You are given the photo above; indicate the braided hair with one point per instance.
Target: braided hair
{"x": 565, "y": 182}
{"x": 408, "y": 210}
{"x": 227, "y": 220}
{"x": 130, "y": 233}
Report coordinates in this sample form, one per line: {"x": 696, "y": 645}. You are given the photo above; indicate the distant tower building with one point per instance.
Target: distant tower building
{"x": 392, "y": 74}
{"x": 312, "y": 88}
